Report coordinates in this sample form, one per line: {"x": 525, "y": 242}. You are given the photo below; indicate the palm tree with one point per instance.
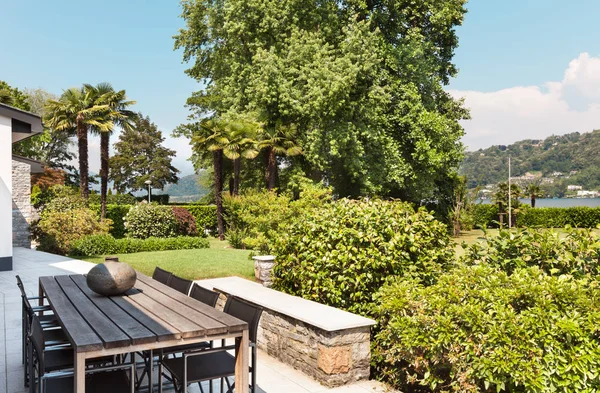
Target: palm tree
{"x": 209, "y": 136}
{"x": 239, "y": 140}
{"x": 277, "y": 140}
{"x": 119, "y": 115}
{"x": 533, "y": 190}
{"x": 77, "y": 110}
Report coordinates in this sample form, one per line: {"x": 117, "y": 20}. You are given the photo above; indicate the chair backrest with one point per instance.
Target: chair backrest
{"x": 36, "y": 335}
{"x": 204, "y": 295}
{"x": 20, "y": 285}
{"x": 180, "y": 284}
{"x": 245, "y": 311}
{"x": 162, "y": 275}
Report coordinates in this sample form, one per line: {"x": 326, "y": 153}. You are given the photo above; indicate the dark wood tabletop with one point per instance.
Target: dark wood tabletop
{"x": 151, "y": 312}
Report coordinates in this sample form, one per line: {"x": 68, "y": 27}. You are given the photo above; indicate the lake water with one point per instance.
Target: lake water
{"x": 558, "y": 202}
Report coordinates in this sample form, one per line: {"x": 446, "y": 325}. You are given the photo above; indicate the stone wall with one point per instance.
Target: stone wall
{"x": 263, "y": 267}
{"x": 332, "y": 358}
{"x": 21, "y": 198}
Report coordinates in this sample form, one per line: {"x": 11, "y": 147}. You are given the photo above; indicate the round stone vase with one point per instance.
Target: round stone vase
{"x": 111, "y": 278}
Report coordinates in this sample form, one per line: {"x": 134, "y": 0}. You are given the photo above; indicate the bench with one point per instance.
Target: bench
{"x": 328, "y": 344}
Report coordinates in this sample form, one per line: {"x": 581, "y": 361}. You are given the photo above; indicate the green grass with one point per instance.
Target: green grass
{"x": 217, "y": 261}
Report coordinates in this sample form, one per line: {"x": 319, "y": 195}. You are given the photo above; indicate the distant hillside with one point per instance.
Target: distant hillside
{"x": 556, "y": 161}
{"x": 187, "y": 189}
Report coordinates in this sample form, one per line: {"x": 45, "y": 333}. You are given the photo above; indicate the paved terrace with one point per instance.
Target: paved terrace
{"x": 272, "y": 376}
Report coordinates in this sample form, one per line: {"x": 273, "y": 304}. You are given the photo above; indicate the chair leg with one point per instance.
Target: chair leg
{"x": 253, "y": 387}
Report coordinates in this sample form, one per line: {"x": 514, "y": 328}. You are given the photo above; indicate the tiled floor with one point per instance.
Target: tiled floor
{"x": 272, "y": 375}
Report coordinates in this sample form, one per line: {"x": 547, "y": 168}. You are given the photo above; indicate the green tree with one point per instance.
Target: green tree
{"x": 77, "y": 109}
{"x": 277, "y": 140}
{"x": 140, "y": 156}
{"x": 239, "y": 140}
{"x": 362, "y": 80}
{"x": 13, "y": 96}
{"x": 533, "y": 190}
{"x": 117, "y": 112}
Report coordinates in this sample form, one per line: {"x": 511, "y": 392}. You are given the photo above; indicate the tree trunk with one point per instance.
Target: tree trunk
{"x": 218, "y": 167}
{"x": 237, "y": 167}
{"x": 533, "y": 201}
{"x": 271, "y": 169}
{"x": 82, "y": 141}
{"x": 104, "y": 146}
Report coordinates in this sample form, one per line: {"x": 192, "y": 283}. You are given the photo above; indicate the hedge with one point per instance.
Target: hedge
{"x": 161, "y": 199}
{"x": 486, "y": 215}
{"x": 106, "y": 244}
{"x": 205, "y": 215}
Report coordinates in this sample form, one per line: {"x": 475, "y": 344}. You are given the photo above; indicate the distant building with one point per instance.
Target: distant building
{"x": 557, "y": 174}
{"x": 573, "y": 187}
{"x": 573, "y": 173}
{"x": 546, "y": 180}
{"x": 588, "y": 194}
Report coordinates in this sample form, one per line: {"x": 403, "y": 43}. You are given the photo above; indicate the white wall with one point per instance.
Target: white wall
{"x": 5, "y": 187}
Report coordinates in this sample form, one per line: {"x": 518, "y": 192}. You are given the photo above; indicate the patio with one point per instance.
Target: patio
{"x": 273, "y": 376}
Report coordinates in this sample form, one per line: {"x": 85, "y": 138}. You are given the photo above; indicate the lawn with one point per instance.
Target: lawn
{"x": 217, "y": 261}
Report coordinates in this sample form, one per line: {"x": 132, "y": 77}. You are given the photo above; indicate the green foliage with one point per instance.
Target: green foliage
{"x": 115, "y": 213}
{"x": 205, "y": 215}
{"x": 565, "y": 153}
{"x": 146, "y": 220}
{"x": 13, "y": 96}
{"x": 576, "y": 253}
{"x": 140, "y": 156}
{"x": 114, "y": 199}
{"x": 106, "y": 244}
{"x": 161, "y": 199}
{"x": 59, "y": 228}
{"x": 558, "y": 217}
{"x": 484, "y": 215}
{"x": 255, "y": 217}
{"x": 186, "y": 223}
{"x": 479, "y": 330}
{"x": 342, "y": 253}
{"x": 360, "y": 81}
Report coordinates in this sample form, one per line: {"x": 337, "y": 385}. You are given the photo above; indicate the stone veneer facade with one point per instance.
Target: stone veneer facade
{"x": 21, "y": 197}
{"x": 332, "y": 358}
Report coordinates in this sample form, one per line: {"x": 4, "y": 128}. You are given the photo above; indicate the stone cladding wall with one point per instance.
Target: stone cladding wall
{"x": 21, "y": 197}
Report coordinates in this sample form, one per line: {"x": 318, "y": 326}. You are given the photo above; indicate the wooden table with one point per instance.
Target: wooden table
{"x": 149, "y": 317}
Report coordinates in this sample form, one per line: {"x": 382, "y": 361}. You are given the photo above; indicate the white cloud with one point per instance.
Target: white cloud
{"x": 533, "y": 112}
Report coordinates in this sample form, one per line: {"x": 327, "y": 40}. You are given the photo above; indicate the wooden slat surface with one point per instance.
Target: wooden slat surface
{"x": 149, "y": 312}
{"x": 81, "y": 335}
{"x": 221, "y": 319}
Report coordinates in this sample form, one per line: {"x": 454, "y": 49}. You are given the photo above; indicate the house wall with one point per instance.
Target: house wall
{"x": 5, "y": 194}
{"x": 21, "y": 204}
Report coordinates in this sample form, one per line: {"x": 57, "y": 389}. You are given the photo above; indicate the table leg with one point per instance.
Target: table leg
{"x": 150, "y": 376}
{"x": 242, "y": 352}
{"x": 79, "y": 372}
{"x": 41, "y": 294}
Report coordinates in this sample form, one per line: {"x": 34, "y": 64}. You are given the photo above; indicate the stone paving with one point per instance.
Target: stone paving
{"x": 272, "y": 375}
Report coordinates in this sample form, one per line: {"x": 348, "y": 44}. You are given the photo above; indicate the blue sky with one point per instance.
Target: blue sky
{"x": 528, "y": 68}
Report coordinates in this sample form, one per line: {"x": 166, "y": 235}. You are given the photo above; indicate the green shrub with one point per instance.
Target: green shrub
{"x": 205, "y": 215}
{"x": 161, "y": 199}
{"x": 186, "y": 223}
{"x": 59, "y": 229}
{"x": 479, "y": 330}
{"x": 558, "y": 217}
{"x": 577, "y": 252}
{"x": 106, "y": 244}
{"x": 484, "y": 215}
{"x": 116, "y": 199}
{"x": 257, "y": 215}
{"x": 116, "y": 213}
{"x": 146, "y": 220}
{"x": 342, "y": 253}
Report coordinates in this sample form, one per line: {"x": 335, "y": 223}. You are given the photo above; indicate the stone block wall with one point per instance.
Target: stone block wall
{"x": 21, "y": 203}
{"x": 332, "y": 358}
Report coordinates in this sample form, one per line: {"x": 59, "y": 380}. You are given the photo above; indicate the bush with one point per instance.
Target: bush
{"x": 479, "y": 330}
{"x": 186, "y": 223}
{"x": 116, "y": 199}
{"x": 116, "y": 213}
{"x": 484, "y": 215}
{"x": 576, "y": 253}
{"x": 59, "y": 229}
{"x": 558, "y": 217}
{"x": 145, "y": 220}
{"x": 161, "y": 199}
{"x": 106, "y": 244}
{"x": 205, "y": 215}
{"x": 342, "y": 253}
{"x": 254, "y": 218}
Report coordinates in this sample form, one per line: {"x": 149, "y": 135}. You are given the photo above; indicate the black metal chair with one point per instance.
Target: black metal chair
{"x": 46, "y": 363}
{"x": 204, "y": 295}
{"x": 180, "y": 284}
{"x": 215, "y": 363}
{"x": 162, "y": 275}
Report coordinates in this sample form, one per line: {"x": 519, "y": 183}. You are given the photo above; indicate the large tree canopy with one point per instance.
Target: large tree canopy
{"x": 360, "y": 80}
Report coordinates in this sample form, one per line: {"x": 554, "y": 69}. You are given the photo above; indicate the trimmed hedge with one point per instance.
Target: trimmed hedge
{"x": 161, "y": 199}
{"x": 558, "y": 217}
{"x": 484, "y": 215}
{"x": 206, "y": 216}
{"x": 115, "y": 213}
{"x": 107, "y": 244}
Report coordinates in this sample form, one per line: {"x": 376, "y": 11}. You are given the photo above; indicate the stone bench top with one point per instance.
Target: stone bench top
{"x": 316, "y": 314}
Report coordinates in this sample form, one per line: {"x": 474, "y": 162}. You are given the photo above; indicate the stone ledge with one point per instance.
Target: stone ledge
{"x": 312, "y": 313}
